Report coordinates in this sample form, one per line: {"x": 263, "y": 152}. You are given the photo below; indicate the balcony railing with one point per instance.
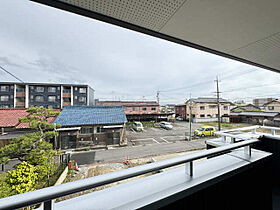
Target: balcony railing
{"x": 47, "y": 195}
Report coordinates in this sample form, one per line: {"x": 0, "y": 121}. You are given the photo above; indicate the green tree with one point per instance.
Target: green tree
{"x": 34, "y": 148}
{"x": 23, "y": 178}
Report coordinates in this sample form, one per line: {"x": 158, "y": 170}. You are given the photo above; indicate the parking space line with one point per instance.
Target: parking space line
{"x": 155, "y": 141}
{"x": 142, "y": 139}
{"x": 164, "y": 140}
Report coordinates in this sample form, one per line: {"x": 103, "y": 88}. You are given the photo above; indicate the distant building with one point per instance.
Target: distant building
{"x": 256, "y": 118}
{"x": 135, "y": 110}
{"x": 245, "y": 107}
{"x": 180, "y": 110}
{"x": 261, "y": 101}
{"x": 206, "y": 109}
{"x": 91, "y": 125}
{"x": 272, "y": 106}
{"x": 167, "y": 109}
{"x": 54, "y": 96}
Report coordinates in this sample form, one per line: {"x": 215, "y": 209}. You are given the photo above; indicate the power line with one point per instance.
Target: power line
{"x": 11, "y": 74}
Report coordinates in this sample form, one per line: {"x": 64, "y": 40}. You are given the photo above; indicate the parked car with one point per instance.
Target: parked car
{"x": 138, "y": 126}
{"x": 180, "y": 118}
{"x": 166, "y": 125}
{"x": 205, "y": 131}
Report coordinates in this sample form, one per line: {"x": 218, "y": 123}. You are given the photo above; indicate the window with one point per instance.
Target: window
{"x": 39, "y": 98}
{"x": 209, "y": 115}
{"x": 4, "y": 88}
{"x": 50, "y": 106}
{"x": 202, "y": 115}
{"x": 134, "y": 108}
{"x": 82, "y": 99}
{"x": 212, "y": 106}
{"x": 4, "y": 106}
{"x": 86, "y": 130}
{"x": 51, "y": 98}
{"x": 153, "y": 108}
{"x": 100, "y": 130}
{"x": 40, "y": 89}
{"x": 225, "y": 107}
{"x": 144, "y": 108}
{"x": 4, "y": 98}
{"x": 202, "y": 108}
{"x": 270, "y": 107}
{"x": 82, "y": 90}
{"x": 76, "y": 97}
{"x": 31, "y": 96}
{"x": 51, "y": 89}
{"x": 76, "y": 88}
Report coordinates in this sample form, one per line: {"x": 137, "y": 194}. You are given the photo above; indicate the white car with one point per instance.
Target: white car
{"x": 166, "y": 125}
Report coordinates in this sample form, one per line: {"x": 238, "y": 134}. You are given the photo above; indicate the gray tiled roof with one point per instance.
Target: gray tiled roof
{"x": 208, "y": 100}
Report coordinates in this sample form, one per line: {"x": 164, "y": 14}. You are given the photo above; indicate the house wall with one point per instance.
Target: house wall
{"x": 181, "y": 111}
{"x": 272, "y": 107}
{"x": 208, "y": 111}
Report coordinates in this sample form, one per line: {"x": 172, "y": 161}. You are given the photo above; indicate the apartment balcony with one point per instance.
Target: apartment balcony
{"x": 20, "y": 94}
{"x": 238, "y": 174}
{"x": 66, "y": 104}
{"x": 20, "y": 104}
{"x": 66, "y": 95}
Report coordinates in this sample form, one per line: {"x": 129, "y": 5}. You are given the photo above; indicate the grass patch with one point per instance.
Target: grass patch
{"x": 227, "y": 125}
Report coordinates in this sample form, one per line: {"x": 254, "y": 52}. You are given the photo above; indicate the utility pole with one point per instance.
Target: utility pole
{"x": 218, "y": 103}
{"x": 158, "y": 97}
{"x": 190, "y": 119}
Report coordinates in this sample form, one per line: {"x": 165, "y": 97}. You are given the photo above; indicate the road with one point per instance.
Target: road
{"x": 120, "y": 154}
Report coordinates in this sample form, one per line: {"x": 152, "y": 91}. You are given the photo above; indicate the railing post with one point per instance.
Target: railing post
{"x": 224, "y": 138}
{"x": 232, "y": 140}
{"x": 189, "y": 168}
{"x": 48, "y": 205}
{"x": 247, "y": 150}
{"x": 254, "y": 131}
{"x": 272, "y": 132}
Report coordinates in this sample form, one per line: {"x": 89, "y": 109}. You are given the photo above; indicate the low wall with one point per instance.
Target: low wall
{"x": 196, "y": 120}
{"x": 62, "y": 176}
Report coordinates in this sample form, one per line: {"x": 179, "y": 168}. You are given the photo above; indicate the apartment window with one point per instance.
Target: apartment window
{"x": 50, "y": 106}
{"x": 202, "y": 108}
{"x": 202, "y": 115}
{"x": 134, "y": 109}
{"x": 153, "y": 108}
{"x": 40, "y": 89}
{"x": 67, "y": 99}
{"x": 86, "y": 130}
{"x": 100, "y": 130}
{"x": 4, "y": 98}
{"x": 76, "y": 88}
{"x": 31, "y": 96}
{"x": 82, "y": 99}
{"x": 82, "y": 90}
{"x": 51, "y": 98}
{"x": 212, "y": 106}
{"x": 144, "y": 108}
{"x": 225, "y": 107}
{"x": 270, "y": 107}
{"x": 51, "y": 89}
{"x": 4, "y": 106}
{"x": 76, "y": 97}
{"x": 209, "y": 115}
{"x": 4, "y": 88}
{"x": 39, "y": 99}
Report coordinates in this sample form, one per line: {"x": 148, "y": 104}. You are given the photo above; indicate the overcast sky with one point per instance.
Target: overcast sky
{"x": 43, "y": 44}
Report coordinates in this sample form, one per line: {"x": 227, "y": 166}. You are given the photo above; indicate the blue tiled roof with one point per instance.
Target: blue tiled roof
{"x": 91, "y": 115}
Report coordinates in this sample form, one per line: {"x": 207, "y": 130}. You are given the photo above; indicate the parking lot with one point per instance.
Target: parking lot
{"x": 157, "y": 135}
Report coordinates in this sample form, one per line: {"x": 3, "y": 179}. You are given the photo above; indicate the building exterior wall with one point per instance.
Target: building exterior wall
{"x": 208, "y": 110}
{"x": 180, "y": 110}
{"x": 261, "y": 101}
{"x": 6, "y": 93}
{"x": 133, "y": 108}
{"x": 26, "y": 95}
{"x": 272, "y": 107}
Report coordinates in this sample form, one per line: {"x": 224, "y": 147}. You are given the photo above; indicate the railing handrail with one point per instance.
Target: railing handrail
{"x": 50, "y": 193}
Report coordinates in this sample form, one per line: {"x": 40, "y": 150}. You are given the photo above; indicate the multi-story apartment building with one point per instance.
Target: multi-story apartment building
{"x": 206, "y": 109}
{"x": 55, "y": 96}
{"x": 180, "y": 110}
{"x": 135, "y": 110}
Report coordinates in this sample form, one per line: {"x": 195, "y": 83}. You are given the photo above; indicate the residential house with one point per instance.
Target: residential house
{"x": 245, "y": 107}
{"x": 272, "y": 106}
{"x": 167, "y": 109}
{"x": 256, "y": 118}
{"x": 180, "y": 110}
{"x": 206, "y": 109}
{"x": 10, "y": 125}
{"x": 135, "y": 110}
{"x": 91, "y": 125}
{"x": 54, "y": 96}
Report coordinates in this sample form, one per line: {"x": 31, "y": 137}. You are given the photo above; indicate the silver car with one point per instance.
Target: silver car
{"x": 166, "y": 125}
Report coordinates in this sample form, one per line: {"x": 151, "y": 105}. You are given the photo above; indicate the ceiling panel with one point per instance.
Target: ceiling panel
{"x": 247, "y": 31}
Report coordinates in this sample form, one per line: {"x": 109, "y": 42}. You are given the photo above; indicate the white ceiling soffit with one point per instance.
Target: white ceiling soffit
{"x": 247, "y": 31}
